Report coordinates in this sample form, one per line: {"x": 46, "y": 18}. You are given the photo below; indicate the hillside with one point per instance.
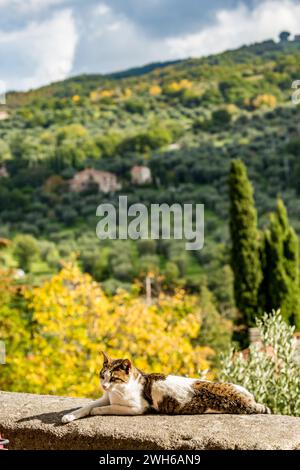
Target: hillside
{"x": 186, "y": 121}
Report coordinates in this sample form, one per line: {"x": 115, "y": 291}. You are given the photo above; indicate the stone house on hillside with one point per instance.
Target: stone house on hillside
{"x": 3, "y": 114}
{"x": 107, "y": 182}
{"x": 140, "y": 175}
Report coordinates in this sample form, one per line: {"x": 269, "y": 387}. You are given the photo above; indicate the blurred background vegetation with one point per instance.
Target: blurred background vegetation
{"x": 188, "y": 121}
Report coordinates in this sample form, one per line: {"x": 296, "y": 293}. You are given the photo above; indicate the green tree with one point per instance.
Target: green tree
{"x": 108, "y": 143}
{"x": 26, "y": 251}
{"x": 245, "y": 259}
{"x": 280, "y": 261}
{"x": 5, "y": 153}
{"x": 171, "y": 272}
{"x": 221, "y": 117}
{"x": 215, "y": 330}
{"x": 151, "y": 139}
{"x": 74, "y": 146}
{"x": 284, "y": 36}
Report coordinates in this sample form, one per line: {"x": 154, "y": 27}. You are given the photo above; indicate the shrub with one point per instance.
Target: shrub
{"x": 221, "y": 117}
{"x": 152, "y": 139}
{"x": 270, "y": 370}
{"x": 26, "y": 251}
{"x": 5, "y": 153}
{"x": 135, "y": 106}
{"x": 108, "y": 143}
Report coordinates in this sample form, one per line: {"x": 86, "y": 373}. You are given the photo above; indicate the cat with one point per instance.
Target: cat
{"x": 129, "y": 391}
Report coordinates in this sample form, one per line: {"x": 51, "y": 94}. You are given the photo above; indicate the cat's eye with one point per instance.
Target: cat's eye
{"x": 102, "y": 375}
{"x": 115, "y": 379}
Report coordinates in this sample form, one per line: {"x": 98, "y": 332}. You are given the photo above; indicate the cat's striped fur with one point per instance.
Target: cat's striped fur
{"x": 129, "y": 391}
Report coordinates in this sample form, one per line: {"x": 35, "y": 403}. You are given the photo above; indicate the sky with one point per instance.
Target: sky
{"x": 42, "y": 41}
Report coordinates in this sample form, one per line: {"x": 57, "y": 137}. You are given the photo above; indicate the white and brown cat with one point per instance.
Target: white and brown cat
{"x": 129, "y": 391}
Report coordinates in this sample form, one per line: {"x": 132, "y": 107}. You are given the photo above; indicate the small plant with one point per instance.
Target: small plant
{"x": 269, "y": 369}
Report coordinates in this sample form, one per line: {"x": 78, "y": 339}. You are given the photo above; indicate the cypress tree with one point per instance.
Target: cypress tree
{"x": 245, "y": 253}
{"x": 280, "y": 262}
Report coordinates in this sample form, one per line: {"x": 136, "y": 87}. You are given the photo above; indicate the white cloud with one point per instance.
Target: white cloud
{"x": 40, "y": 41}
{"x": 102, "y": 9}
{"x": 26, "y": 6}
{"x": 114, "y": 44}
{"x": 239, "y": 26}
{"x": 117, "y": 43}
{"x": 40, "y": 53}
{"x": 114, "y": 26}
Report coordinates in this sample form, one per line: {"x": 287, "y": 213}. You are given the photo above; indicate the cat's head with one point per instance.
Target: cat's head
{"x": 114, "y": 371}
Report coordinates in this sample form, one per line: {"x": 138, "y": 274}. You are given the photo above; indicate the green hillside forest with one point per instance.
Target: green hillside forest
{"x": 220, "y": 130}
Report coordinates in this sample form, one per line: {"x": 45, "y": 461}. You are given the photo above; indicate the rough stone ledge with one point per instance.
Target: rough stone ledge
{"x": 34, "y": 422}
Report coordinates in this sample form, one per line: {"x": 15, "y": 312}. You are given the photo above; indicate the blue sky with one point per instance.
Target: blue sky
{"x": 42, "y": 41}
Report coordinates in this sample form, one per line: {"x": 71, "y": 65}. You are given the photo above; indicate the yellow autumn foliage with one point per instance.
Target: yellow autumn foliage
{"x": 232, "y": 109}
{"x": 106, "y": 93}
{"x": 74, "y": 320}
{"x": 97, "y": 95}
{"x": 269, "y": 101}
{"x": 176, "y": 87}
{"x": 94, "y": 96}
{"x": 76, "y": 98}
{"x": 127, "y": 93}
{"x": 155, "y": 90}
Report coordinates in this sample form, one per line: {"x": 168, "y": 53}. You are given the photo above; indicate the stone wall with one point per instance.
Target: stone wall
{"x": 34, "y": 422}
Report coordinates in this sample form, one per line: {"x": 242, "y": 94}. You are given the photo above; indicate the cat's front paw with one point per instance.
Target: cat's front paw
{"x": 68, "y": 418}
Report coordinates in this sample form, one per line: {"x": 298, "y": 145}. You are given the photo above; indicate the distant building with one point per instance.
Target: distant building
{"x": 297, "y": 38}
{"x": 19, "y": 274}
{"x": 174, "y": 146}
{"x": 255, "y": 338}
{"x": 268, "y": 42}
{"x": 106, "y": 182}
{"x": 297, "y": 348}
{"x": 254, "y": 335}
{"x": 3, "y": 172}
{"x": 140, "y": 175}
{"x": 4, "y": 242}
{"x": 3, "y": 114}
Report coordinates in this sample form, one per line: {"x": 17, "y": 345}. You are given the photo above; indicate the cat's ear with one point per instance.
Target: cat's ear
{"x": 126, "y": 364}
{"x": 105, "y": 358}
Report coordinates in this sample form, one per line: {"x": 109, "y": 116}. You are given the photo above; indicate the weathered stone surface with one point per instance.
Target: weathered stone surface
{"x": 34, "y": 422}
